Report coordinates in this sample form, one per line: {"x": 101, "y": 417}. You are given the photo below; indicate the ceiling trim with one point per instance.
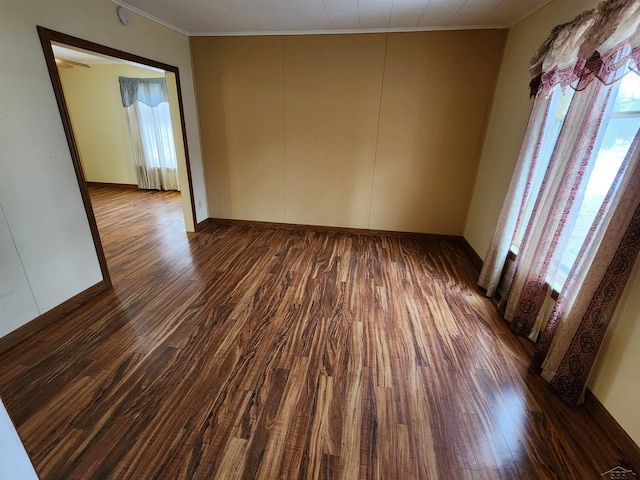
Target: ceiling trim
{"x": 150, "y": 17}
{"x": 309, "y": 32}
{"x": 171, "y": 26}
{"x": 346, "y": 32}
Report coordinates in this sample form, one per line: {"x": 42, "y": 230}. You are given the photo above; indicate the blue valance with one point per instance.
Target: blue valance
{"x": 150, "y": 91}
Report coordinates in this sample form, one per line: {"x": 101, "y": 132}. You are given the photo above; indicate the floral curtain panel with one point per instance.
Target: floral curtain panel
{"x": 511, "y": 213}
{"x": 545, "y": 235}
{"x": 571, "y": 338}
{"x": 602, "y": 44}
{"x": 588, "y": 55}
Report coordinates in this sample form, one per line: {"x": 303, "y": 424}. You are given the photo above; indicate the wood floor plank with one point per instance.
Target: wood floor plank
{"x": 257, "y": 353}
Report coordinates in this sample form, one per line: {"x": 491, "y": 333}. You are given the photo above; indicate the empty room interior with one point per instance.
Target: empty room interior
{"x": 350, "y": 239}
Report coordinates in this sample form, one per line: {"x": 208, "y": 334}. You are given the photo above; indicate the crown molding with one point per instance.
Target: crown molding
{"x": 348, "y": 31}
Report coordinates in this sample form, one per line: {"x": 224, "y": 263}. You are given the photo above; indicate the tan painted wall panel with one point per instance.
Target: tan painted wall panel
{"x": 332, "y": 102}
{"x": 240, "y": 104}
{"x": 376, "y": 135}
{"x": 437, "y": 91}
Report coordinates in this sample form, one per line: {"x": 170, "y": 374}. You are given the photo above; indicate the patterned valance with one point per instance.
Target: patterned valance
{"x": 603, "y": 44}
{"x": 150, "y": 91}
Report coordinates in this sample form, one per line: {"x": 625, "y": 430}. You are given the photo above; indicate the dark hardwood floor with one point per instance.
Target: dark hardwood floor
{"x": 244, "y": 352}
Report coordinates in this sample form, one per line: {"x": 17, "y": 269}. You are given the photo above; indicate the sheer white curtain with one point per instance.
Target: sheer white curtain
{"x": 146, "y": 103}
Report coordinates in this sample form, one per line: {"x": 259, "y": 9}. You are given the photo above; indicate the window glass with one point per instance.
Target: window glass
{"x": 628, "y": 99}
{"x": 619, "y": 131}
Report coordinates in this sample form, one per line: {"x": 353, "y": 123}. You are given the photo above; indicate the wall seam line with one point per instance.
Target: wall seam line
{"x": 375, "y": 153}
{"x": 284, "y": 141}
{"x": 24, "y": 270}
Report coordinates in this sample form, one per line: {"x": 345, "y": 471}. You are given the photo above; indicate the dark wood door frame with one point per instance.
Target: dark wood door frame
{"x": 46, "y": 37}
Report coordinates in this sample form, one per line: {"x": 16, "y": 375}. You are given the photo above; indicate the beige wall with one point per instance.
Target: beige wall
{"x": 47, "y": 253}
{"x": 99, "y": 120}
{"x": 365, "y": 131}
{"x": 438, "y": 88}
{"x": 240, "y": 97}
{"x": 614, "y": 380}
{"x": 331, "y": 111}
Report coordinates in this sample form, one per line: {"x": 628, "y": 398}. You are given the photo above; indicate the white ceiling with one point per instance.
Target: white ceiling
{"x": 82, "y": 56}
{"x": 247, "y": 17}
{"x": 66, "y": 52}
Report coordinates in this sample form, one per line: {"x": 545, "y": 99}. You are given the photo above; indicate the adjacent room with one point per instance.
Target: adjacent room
{"x": 121, "y": 114}
{"x": 320, "y": 239}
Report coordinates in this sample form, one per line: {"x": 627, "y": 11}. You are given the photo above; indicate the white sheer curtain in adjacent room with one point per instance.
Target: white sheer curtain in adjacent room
{"x": 154, "y": 153}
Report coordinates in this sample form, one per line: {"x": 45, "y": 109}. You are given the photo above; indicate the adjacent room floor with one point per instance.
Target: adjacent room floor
{"x": 245, "y": 352}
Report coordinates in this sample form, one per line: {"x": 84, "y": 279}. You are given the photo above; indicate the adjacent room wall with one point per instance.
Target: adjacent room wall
{"x": 363, "y": 131}
{"x": 47, "y": 254}
{"x": 183, "y": 177}
{"x": 614, "y": 380}
{"x": 99, "y": 120}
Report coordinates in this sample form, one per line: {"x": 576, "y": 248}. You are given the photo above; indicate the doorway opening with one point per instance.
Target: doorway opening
{"x": 51, "y": 41}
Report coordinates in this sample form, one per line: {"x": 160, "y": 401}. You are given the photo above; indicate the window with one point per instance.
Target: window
{"x": 617, "y": 131}
{"x": 557, "y": 111}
